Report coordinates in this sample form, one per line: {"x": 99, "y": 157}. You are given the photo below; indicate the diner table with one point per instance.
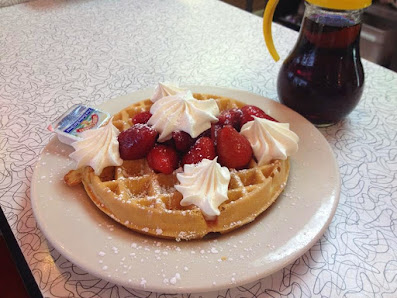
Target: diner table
{"x": 58, "y": 53}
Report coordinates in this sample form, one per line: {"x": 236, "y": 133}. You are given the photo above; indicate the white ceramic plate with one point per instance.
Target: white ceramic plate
{"x": 97, "y": 244}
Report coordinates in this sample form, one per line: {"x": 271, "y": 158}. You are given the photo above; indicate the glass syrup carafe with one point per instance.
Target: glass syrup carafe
{"x": 322, "y": 78}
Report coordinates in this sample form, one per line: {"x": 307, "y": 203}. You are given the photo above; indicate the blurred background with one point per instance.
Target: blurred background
{"x": 378, "y": 35}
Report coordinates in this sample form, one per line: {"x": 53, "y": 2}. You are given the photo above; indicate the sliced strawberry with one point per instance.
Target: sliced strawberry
{"x": 163, "y": 159}
{"x": 142, "y": 117}
{"x": 249, "y": 111}
{"x": 203, "y": 148}
{"x": 234, "y": 150}
{"x": 182, "y": 140}
{"x": 231, "y": 117}
{"x": 135, "y": 142}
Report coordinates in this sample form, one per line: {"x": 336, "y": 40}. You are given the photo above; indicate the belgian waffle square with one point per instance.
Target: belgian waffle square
{"x": 147, "y": 202}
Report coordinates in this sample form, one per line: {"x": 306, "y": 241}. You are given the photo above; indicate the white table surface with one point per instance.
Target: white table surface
{"x": 58, "y": 53}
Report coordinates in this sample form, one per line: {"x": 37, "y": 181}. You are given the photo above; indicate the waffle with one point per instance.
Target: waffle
{"x": 147, "y": 202}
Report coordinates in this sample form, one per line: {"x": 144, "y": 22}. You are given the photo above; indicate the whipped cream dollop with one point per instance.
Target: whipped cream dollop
{"x": 205, "y": 185}
{"x": 165, "y": 89}
{"x": 98, "y": 148}
{"x": 182, "y": 112}
{"x": 270, "y": 140}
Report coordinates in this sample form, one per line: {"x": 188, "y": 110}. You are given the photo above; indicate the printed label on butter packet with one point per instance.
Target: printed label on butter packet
{"x": 76, "y": 120}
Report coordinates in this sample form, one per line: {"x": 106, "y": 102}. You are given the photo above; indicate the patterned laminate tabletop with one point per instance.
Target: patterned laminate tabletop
{"x": 58, "y": 53}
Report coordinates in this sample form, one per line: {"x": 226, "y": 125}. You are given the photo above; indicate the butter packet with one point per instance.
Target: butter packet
{"x": 76, "y": 120}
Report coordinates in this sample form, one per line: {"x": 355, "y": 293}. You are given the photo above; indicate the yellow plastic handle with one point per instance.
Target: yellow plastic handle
{"x": 267, "y": 28}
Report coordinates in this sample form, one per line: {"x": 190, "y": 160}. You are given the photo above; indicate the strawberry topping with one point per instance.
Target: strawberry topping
{"x": 215, "y": 127}
{"x": 249, "y": 111}
{"x": 142, "y": 117}
{"x": 222, "y": 139}
{"x": 163, "y": 159}
{"x": 234, "y": 150}
{"x": 135, "y": 142}
{"x": 231, "y": 117}
{"x": 182, "y": 140}
{"x": 203, "y": 148}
